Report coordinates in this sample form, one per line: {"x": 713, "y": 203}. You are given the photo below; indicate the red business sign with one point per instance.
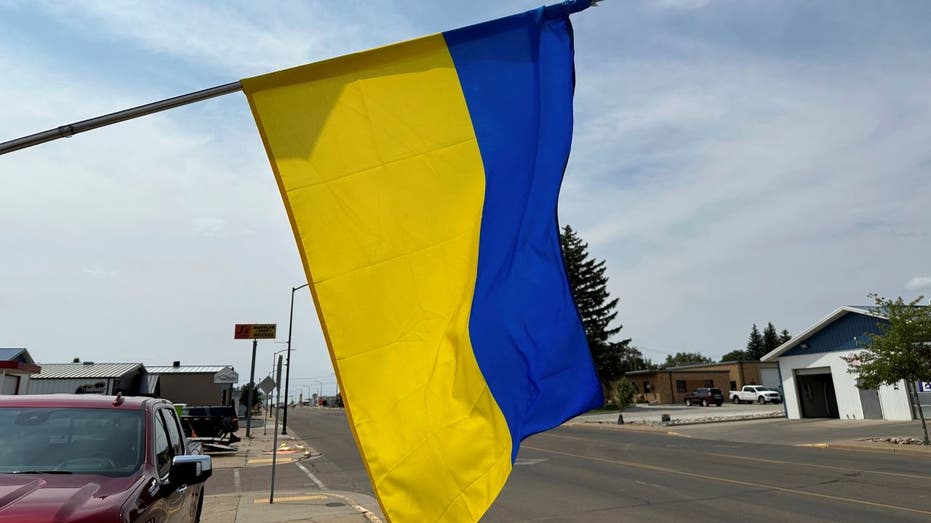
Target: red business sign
{"x": 255, "y": 331}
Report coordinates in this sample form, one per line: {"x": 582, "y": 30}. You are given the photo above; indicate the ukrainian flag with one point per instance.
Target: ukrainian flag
{"x": 421, "y": 181}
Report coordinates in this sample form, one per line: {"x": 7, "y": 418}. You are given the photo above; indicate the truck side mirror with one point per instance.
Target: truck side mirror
{"x": 190, "y": 470}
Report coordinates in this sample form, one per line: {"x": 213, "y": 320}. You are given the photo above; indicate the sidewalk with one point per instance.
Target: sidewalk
{"x": 766, "y": 424}
{"x": 289, "y": 505}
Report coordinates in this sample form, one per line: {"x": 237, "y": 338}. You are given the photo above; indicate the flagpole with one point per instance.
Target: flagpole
{"x": 66, "y": 131}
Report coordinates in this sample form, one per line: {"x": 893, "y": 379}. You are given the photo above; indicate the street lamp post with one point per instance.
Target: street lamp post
{"x": 287, "y": 373}
{"x": 276, "y": 378}
{"x": 307, "y": 397}
{"x": 319, "y": 387}
{"x": 271, "y": 394}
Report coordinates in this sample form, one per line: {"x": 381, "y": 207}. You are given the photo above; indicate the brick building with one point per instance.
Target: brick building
{"x": 666, "y": 386}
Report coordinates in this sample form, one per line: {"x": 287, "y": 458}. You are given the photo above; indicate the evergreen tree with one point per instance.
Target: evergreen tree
{"x": 784, "y": 336}
{"x": 589, "y": 287}
{"x": 755, "y": 347}
{"x": 770, "y": 339}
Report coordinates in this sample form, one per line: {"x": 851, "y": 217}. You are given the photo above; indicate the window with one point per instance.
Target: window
{"x": 647, "y": 388}
{"x": 680, "y": 386}
{"x": 162, "y": 447}
{"x": 709, "y": 383}
{"x": 72, "y": 440}
{"x": 733, "y": 385}
{"x": 174, "y": 433}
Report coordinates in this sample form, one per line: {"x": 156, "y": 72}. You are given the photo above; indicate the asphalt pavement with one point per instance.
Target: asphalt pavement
{"x": 659, "y": 469}
{"x": 609, "y": 473}
{"x": 240, "y": 489}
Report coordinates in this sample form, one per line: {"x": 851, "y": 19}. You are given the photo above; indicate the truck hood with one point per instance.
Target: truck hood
{"x": 68, "y": 498}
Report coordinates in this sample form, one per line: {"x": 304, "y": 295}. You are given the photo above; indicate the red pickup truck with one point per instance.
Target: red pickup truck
{"x": 87, "y": 458}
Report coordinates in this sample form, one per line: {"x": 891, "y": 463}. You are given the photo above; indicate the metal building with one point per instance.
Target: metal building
{"x": 816, "y": 380}
{"x": 89, "y": 378}
{"x": 16, "y": 365}
{"x": 194, "y": 384}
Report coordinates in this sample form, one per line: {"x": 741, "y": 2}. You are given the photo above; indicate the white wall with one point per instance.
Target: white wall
{"x": 66, "y": 385}
{"x": 769, "y": 377}
{"x": 894, "y": 402}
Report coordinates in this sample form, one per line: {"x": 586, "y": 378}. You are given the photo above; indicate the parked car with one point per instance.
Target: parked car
{"x": 705, "y": 396}
{"x": 88, "y": 458}
{"x": 757, "y": 393}
{"x": 210, "y": 421}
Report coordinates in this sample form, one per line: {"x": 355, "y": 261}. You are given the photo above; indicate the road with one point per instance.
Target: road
{"x": 597, "y": 473}
{"x": 327, "y": 431}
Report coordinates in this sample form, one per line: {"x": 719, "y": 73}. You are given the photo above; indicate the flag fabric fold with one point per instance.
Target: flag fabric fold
{"x": 421, "y": 181}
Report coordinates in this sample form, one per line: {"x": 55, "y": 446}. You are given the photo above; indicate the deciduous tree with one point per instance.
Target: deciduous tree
{"x": 901, "y": 352}
{"x": 735, "y": 355}
{"x": 686, "y": 358}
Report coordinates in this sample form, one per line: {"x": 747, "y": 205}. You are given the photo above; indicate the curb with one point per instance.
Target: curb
{"x": 674, "y": 423}
{"x": 874, "y": 447}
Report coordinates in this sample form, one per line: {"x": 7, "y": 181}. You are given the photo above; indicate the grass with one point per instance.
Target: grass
{"x": 606, "y": 408}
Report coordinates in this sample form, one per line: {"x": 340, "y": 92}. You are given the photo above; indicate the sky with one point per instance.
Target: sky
{"x": 733, "y": 163}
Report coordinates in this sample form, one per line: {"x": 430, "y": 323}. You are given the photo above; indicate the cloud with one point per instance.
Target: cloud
{"x": 678, "y": 4}
{"x": 100, "y": 273}
{"x": 210, "y": 227}
{"x": 734, "y": 164}
{"x": 238, "y": 37}
{"x": 919, "y": 283}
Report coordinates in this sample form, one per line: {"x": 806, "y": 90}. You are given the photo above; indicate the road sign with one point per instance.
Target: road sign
{"x": 267, "y": 385}
{"x": 254, "y": 331}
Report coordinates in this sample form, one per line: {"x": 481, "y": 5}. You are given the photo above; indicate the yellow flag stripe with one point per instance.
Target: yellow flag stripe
{"x": 380, "y": 172}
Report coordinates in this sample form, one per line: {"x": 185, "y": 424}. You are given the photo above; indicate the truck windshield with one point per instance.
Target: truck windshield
{"x": 68, "y": 440}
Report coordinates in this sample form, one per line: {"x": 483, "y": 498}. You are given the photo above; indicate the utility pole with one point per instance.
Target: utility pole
{"x": 287, "y": 375}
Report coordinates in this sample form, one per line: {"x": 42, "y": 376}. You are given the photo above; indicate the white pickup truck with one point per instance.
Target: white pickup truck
{"x": 757, "y": 393}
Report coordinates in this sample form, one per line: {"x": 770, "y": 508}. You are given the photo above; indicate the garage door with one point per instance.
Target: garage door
{"x": 816, "y": 396}
{"x": 9, "y": 385}
{"x": 770, "y": 378}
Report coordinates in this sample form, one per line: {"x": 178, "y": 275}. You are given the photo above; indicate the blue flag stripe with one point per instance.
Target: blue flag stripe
{"x": 524, "y": 326}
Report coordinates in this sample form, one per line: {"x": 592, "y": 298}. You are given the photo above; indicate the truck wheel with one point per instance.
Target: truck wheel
{"x": 761, "y": 400}
{"x": 704, "y": 403}
{"x": 688, "y": 403}
{"x": 736, "y": 400}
